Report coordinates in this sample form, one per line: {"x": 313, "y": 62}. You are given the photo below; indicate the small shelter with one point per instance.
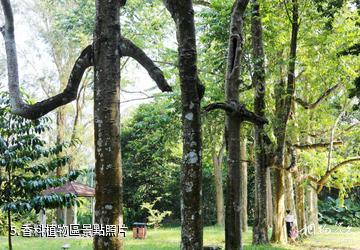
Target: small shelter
{"x": 80, "y": 190}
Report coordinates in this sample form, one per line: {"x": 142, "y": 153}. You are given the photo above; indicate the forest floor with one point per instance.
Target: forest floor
{"x": 168, "y": 239}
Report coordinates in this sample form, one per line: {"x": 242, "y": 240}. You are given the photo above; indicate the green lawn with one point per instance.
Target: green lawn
{"x": 168, "y": 239}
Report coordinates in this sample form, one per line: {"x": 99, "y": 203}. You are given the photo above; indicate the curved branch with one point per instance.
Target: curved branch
{"x": 218, "y": 105}
{"x": 128, "y": 48}
{"x": 307, "y": 105}
{"x": 237, "y": 109}
{"x": 85, "y": 60}
{"x": 329, "y": 172}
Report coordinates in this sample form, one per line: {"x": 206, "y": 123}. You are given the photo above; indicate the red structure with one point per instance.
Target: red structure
{"x": 139, "y": 230}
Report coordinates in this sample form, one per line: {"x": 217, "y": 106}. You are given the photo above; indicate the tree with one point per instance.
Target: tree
{"x": 25, "y": 163}
{"x": 284, "y": 98}
{"x": 260, "y": 229}
{"x": 236, "y": 113}
{"x": 191, "y": 93}
{"x": 104, "y": 55}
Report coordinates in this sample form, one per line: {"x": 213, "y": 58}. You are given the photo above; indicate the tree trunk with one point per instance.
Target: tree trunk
{"x": 284, "y": 98}
{"x": 9, "y": 230}
{"x": 260, "y": 229}
{"x": 269, "y": 198}
{"x": 217, "y": 160}
{"x": 312, "y": 202}
{"x": 191, "y": 93}
{"x": 108, "y": 191}
{"x": 289, "y": 190}
{"x": 233, "y": 238}
{"x": 278, "y": 233}
{"x": 300, "y": 201}
{"x": 244, "y": 183}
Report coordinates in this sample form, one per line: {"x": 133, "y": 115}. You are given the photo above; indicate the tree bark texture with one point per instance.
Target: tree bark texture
{"x": 312, "y": 210}
{"x": 244, "y": 183}
{"x": 260, "y": 228}
{"x": 289, "y": 194}
{"x": 279, "y": 207}
{"x": 9, "y": 230}
{"x": 300, "y": 201}
{"x": 108, "y": 191}
{"x": 217, "y": 161}
{"x": 191, "y": 93}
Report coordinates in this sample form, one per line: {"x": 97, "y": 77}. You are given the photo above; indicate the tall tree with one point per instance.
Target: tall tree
{"x": 104, "y": 55}
{"x": 108, "y": 191}
{"x": 191, "y": 93}
{"x": 236, "y": 113}
{"x": 284, "y": 98}
{"x": 260, "y": 229}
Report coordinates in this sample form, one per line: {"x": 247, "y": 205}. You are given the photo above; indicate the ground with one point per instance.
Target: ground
{"x": 168, "y": 239}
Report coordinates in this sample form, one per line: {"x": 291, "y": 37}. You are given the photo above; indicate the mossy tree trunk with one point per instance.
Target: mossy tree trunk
{"x": 108, "y": 191}
{"x": 260, "y": 228}
{"x": 191, "y": 93}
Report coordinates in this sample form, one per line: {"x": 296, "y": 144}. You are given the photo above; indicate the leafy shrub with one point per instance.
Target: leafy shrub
{"x": 331, "y": 213}
{"x": 155, "y": 216}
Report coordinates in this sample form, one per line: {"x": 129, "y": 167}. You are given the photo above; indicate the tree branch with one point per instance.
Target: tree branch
{"x": 218, "y": 105}
{"x": 237, "y": 109}
{"x": 323, "y": 97}
{"x": 201, "y": 2}
{"x": 315, "y": 145}
{"x": 138, "y": 99}
{"x": 329, "y": 172}
{"x": 331, "y": 145}
{"x": 128, "y": 48}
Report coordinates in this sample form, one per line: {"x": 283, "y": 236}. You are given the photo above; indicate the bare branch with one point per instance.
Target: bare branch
{"x": 138, "y": 99}
{"x": 135, "y": 92}
{"x": 202, "y": 2}
{"x": 128, "y": 48}
{"x": 315, "y": 145}
{"x": 218, "y": 105}
{"x": 237, "y": 109}
{"x": 331, "y": 146}
{"x": 323, "y": 97}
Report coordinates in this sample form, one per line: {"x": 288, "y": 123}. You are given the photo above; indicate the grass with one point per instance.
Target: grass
{"x": 168, "y": 239}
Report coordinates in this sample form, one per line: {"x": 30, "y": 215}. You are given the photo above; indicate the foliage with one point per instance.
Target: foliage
{"x": 331, "y": 212}
{"x": 150, "y": 154}
{"x": 155, "y": 216}
{"x": 26, "y": 162}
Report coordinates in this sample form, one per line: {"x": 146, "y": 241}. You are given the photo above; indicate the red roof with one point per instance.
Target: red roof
{"x": 74, "y": 187}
